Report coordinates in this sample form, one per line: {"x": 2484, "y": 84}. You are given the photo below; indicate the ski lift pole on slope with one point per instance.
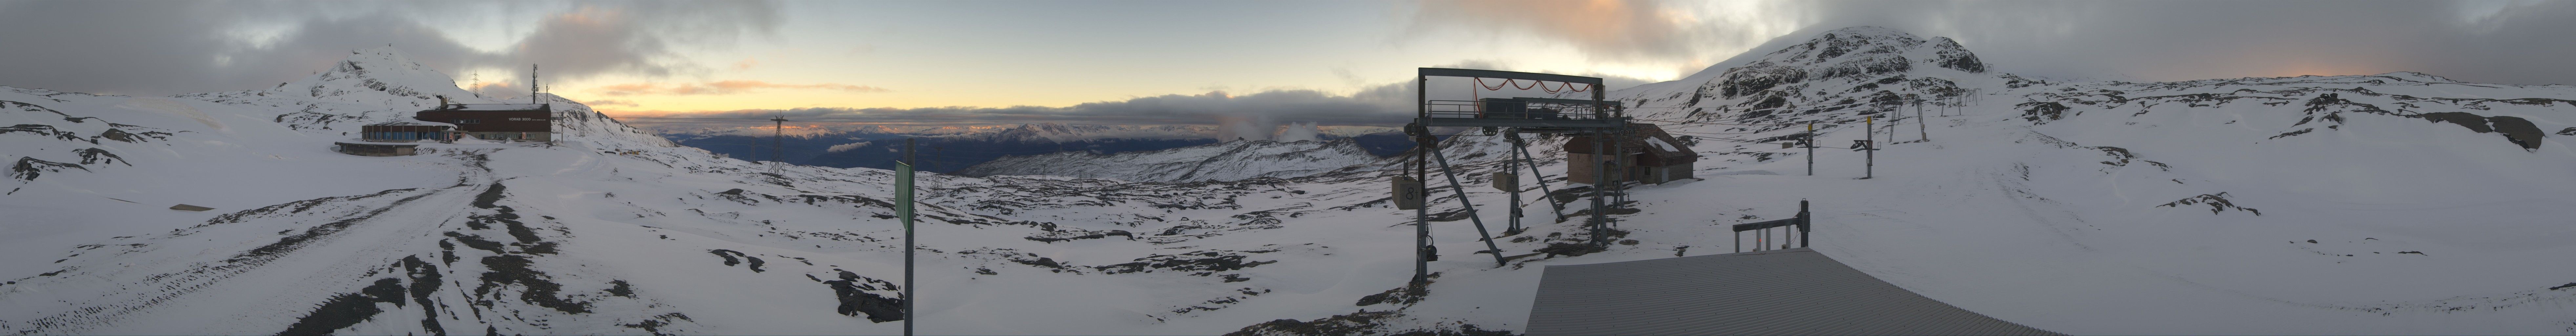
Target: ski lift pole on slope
{"x": 903, "y": 208}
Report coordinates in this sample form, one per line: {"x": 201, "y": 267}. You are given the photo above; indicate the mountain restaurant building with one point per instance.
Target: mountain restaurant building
{"x": 1646, "y": 154}
{"x": 513, "y": 122}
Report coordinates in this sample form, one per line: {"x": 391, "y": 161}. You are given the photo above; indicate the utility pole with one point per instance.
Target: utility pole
{"x": 1811, "y": 148}
{"x": 1869, "y": 151}
{"x": 778, "y": 144}
{"x": 1510, "y": 166}
{"x": 1422, "y": 252}
{"x": 1919, "y": 122}
{"x": 903, "y": 196}
{"x": 1601, "y": 181}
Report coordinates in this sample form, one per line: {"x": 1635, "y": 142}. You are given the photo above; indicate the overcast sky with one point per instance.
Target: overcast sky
{"x": 1168, "y": 62}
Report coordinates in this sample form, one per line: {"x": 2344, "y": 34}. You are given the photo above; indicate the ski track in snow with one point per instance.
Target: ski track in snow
{"x": 345, "y": 247}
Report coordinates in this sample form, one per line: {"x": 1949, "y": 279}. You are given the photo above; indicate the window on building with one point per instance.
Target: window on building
{"x": 469, "y": 121}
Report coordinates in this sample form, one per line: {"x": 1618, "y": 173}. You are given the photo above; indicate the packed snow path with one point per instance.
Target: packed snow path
{"x": 161, "y": 286}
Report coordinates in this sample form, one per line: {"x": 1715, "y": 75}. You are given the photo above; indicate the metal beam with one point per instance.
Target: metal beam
{"x": 1461, "y": 189}
{"x": 1766, "y": 224}
{"x": 1565, "y": 101}
{"x": 1447, "y": 72}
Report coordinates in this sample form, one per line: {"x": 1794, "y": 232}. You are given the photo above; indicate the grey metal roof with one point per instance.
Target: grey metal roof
{"x": 1781, "y": 292}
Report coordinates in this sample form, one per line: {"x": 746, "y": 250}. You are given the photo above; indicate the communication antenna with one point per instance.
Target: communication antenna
{"x": 532, "y": 84}
{"x": 778, "y": 142}
{"x": 478, "y": 84}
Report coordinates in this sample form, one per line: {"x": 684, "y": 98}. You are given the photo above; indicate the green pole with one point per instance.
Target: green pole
{"x": 903, "y": 207}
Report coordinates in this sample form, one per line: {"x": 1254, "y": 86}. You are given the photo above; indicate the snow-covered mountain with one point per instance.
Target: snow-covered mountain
{"x": 2395, "y": 203}
{"x": 1226, "y": 161}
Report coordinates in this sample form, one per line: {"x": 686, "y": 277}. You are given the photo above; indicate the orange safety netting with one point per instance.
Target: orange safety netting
{"x": 1541, "y": 85}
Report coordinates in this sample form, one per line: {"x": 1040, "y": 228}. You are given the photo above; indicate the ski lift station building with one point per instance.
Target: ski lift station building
{"x": 514, "y": 122}
{"x": 1650, "y": 155}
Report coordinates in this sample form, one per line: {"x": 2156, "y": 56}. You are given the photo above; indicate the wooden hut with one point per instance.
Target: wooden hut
{"x": 1647, "y": 154}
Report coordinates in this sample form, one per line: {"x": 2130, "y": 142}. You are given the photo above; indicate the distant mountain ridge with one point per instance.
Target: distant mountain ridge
{"x": 1225, "y": 161}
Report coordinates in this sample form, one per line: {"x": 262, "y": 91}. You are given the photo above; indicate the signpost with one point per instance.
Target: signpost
{"x": 903, "y": 208}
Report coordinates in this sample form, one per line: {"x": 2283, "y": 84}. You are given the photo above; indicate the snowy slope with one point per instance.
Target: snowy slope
{"x": 1226, "y": 161}
{"x": 2118, "y": 207}
{"x": 2045, "y": 205}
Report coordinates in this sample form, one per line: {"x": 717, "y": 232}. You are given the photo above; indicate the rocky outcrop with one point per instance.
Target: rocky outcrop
{"x": 2517, "y": 130}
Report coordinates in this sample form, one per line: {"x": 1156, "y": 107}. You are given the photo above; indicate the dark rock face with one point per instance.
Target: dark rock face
{"x": 2520, "y": 131}
{"x": 1757, "y": 77}
{"x": 729, "y": 260}
{"x": 1957, "y": 57}
{"x": 96, "y": 156}
{"x": 28, "y": 168}
{"x": 2217, "y": 204}
{"x": 1570, "y": 249}
{"x": 1360, "y": 323}
{"x": 2474, "y": 122}
{"x": 1867, "y": 66}
{"x": 1204, "y": 261}
{"x": 854, "y": 301}
{"x": 349, "y": 309}
{"x": 2517, "y": 130}
{"x": 535, "y": 286}
{"x": 2042, "y": 112}
{"x": 341, "y": 311}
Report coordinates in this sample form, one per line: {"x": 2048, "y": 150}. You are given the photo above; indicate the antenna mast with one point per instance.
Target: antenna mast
{"x": 778, "y": 144}
{"x": 532, "y": 84}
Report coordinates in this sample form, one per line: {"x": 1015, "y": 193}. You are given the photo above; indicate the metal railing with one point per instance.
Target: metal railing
{"x": 1800, "y": 226}
{"x": 1506, "y": 109}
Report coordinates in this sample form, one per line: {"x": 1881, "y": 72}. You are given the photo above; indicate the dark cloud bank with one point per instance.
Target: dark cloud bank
{"x": 170, "y": 47}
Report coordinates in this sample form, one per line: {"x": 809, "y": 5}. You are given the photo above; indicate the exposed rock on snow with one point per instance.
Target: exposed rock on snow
{"x": 2520, "y": 132}
{"x": 2218, "y": 203}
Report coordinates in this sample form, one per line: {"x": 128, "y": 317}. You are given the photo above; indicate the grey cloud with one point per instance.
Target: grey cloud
{"x": 1388, "y": 104}
{"x": 2500, "y": 42}
{"x": 640, "y": 37}
{"x": 1606, "y": 30}
{"x": 155, "y": 48}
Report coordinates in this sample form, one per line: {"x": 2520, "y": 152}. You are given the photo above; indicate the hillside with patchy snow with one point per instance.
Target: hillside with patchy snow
{"x": 2395, "y": 203}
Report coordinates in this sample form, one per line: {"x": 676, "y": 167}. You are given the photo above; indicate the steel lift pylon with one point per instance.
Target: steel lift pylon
{"x": 1508, "y": 116}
